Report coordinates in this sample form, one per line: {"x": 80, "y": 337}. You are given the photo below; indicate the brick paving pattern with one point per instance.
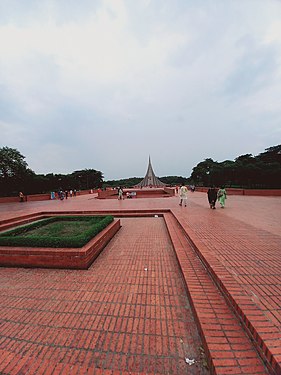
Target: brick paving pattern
{"x": 234, "y": 289}
{"x": 128, "y": 312}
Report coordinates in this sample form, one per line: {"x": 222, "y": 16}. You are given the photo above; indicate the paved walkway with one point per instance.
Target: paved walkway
{"x": 239, "y": 245}
{"x": 128, "y": 312}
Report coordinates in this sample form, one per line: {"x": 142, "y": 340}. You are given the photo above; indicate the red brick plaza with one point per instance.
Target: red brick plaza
{"x": 175, "y": 284}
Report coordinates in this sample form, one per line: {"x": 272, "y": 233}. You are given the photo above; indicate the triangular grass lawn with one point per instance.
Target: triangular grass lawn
{"x": 58, "y": 231}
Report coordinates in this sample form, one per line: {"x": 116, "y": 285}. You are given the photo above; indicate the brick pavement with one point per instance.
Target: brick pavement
{"x": 128, "y": 312}
{"x": 240, "y": 249}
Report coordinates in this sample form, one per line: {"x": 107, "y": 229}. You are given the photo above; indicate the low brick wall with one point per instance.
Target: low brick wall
{"x": 108, "y": 193}
{"x": 9, "y": 199}
{"x": 40, "y": 197}
{"x": 252, "y": 192}
{"x": 140, "y": 193}
{"x": 149, "y": 193}
{"x": 27, "y": 198}
{"x": 69, "y": 258}
{"x": 170, "y": 191}
{"x": 263, "y": 192}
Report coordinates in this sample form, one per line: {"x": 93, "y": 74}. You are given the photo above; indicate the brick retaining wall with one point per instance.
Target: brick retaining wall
{"x": 69, "y": 258}
{"x": 252, "y": 192}
{"x": 39, "y": 197}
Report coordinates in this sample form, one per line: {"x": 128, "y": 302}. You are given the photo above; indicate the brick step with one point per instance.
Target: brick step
{"x": 16, "y": 218}
{"x": 228, "y": 348}
{"x": 121, "y": 212}
{"x": 10, "y": 223}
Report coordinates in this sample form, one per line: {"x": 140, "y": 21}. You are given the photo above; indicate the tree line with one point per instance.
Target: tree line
{"x": 246, "y": 171}
{"x": 15, "y": 176}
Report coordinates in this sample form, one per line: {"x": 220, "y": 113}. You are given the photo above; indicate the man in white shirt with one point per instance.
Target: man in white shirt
{"x": 183, "y": 195}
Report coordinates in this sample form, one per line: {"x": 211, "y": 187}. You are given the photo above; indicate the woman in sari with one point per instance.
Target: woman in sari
{"x": 222, "y": 196}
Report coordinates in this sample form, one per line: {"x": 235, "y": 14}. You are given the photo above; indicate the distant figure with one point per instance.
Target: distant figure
{"x": 222, "y": 196}
{"x": 183, "y": 195}
{"x": 74, "y": 192}
{"x": 192, "y": 188}
{"x": 66, "y": 194}
{"x": 212, "y": 197}
{"x": 70, "y": 193}
{"x": 21, "y": 196}
{"x": 120, "y": 193}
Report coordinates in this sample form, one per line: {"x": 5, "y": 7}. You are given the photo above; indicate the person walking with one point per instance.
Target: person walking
{"x": 222, "y": 196}
{"x": 183, "y": 195}
{"x": 120, "y": 193}
{"x": 212, "y": 196}
{"x": 21, "y": 196}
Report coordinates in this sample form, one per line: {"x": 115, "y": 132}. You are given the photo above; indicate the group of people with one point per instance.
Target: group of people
{"x": 64, "y": 194}
{"x": 129, "y": 194}
{"x": 213, "y": 195}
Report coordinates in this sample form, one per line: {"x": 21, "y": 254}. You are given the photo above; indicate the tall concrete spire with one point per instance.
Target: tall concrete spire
{"x": 150, "y": 179}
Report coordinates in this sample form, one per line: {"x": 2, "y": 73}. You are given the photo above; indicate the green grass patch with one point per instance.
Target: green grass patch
{"x": 60, "y": 231}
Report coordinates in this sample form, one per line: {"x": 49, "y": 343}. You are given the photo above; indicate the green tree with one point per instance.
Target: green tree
{"x": 229, "y": 172}
{"x": 125, "y": 182}
{"x": 14, "y": 171}
{"x": 87, "y": 178}
{"x": 12, "y": 163}
{"x": 271, "y": 155}
{"x": 202, "y": 174}
{"x": 247, "y": 171}
{"x": 270, "y": 160}
{"x": 174, "y": 180}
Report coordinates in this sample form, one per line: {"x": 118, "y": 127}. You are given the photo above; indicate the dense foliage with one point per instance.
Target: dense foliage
{"x": 20, "y": 236}
{"x": 15, "y": 176}
{"x": 13, "y": 170}
{"x": 246, "y": 171}
{"x": 125, "y": 182}
{"x": 174, "y": 180}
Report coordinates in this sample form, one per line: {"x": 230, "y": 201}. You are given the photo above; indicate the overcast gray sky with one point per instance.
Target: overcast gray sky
{"x": 103, "y": 84}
